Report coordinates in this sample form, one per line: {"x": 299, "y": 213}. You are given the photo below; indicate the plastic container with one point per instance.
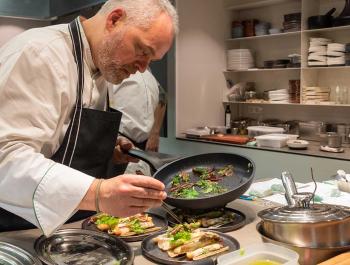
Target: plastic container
{"x": 261, "y": 130}
{"x": 343, "y": 185}
{"x": 260, "y": 252}
{"x": 274, "y": 141}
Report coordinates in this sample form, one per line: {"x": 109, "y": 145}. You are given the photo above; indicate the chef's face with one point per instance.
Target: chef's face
{"x": 128, "y": 49}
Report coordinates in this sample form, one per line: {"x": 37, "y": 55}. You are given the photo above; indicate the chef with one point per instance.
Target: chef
{"x": 57, "y": 131}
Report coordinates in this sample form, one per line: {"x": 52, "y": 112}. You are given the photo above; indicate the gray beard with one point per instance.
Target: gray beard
{"x": 110, "y": 68}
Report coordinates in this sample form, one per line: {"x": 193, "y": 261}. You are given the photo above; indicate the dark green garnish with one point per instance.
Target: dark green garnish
{"x": 188, "y": 193}
{"x": 182, "y": 177}
{"x": 176, "y": 180}
{"x": 226, "y": 171}
{"x": 208, "y": 186}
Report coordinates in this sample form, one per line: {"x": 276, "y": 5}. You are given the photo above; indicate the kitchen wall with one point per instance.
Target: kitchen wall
{"x": 199, "y": 59}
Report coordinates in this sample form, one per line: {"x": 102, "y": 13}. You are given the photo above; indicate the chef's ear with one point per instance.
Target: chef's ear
{"x": 114, "y": 18}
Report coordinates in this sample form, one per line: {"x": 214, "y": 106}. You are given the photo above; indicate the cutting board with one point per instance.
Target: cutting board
{"x": 227, "y": 138}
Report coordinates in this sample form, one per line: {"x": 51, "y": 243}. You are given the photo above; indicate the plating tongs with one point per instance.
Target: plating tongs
{"x": 171, "y": 213}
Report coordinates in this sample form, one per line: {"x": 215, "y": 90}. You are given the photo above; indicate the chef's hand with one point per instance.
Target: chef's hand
{"x": 127, "y": 195}
{"x": 153, "y": 143}
{"x": 121, "y": 147}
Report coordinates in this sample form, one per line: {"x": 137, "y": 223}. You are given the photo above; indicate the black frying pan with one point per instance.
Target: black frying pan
{"x": 167, "y": 167}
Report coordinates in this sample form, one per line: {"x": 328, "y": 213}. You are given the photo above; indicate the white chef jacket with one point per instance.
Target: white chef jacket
{"x": 38, "y": 82}
{"x": 137, "y": 98}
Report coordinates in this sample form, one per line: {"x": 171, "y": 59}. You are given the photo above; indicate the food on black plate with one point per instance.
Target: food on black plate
{"x": 204, "y": 181}
{"x": 128, "y": 226}
{"x": 208, "y": 219}
{"x": 187, "y": 240}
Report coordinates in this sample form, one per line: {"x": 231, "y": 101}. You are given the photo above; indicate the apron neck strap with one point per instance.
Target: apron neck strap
{"x": 78, "y": 53}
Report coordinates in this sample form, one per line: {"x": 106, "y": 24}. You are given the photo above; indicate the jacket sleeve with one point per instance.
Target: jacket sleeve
{"x": 35, "y": 103}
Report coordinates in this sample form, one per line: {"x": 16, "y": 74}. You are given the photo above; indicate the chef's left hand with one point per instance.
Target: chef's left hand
{"x": 122, "y": 146}
{"x": 153, "y": 143}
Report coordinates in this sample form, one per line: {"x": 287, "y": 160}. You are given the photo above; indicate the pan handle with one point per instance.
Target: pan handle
{"x": 154, "y": 159}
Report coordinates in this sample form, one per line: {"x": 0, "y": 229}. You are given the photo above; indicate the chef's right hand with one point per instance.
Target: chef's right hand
{"x": 127, "y": 195}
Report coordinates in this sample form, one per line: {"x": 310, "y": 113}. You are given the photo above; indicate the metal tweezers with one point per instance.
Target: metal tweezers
{"x": 171, "y": 213}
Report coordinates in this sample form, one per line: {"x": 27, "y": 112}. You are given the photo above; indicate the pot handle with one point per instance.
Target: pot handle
{"x": 289, "y": 187}
{"x": 330, "y": 12}
{"x": 154, "y": 159}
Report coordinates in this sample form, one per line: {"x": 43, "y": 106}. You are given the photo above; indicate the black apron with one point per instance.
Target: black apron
{"x": 88, "y": 144}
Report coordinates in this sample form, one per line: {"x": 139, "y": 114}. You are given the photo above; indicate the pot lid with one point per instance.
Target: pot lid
{"x": 79, "y": 246}
{"x": 314, "y": 214}
{"x": 13, "y": 255}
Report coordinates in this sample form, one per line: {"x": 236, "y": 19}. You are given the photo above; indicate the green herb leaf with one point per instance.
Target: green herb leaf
{"x": 136, "y": 227}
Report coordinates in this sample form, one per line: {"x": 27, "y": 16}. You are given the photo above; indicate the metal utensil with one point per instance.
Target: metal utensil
{"x": 171, "y": 213}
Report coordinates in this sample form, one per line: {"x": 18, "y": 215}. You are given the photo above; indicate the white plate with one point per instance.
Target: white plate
{"x": 297, "y": 144}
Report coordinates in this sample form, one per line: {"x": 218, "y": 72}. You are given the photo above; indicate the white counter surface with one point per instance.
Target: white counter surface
{"x": 246, "y": 235}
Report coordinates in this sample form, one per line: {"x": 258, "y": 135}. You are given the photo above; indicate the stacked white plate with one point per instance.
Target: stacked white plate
{"x": 313, "y": 95}
{"x": 318, "y": 51}
{"x": 278, "y": 96}
{"x": 240, "y": 59}
{"x": 335, "y": 54}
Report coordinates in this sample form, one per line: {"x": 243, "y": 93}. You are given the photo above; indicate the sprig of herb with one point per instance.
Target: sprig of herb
{"x": 136, "y": 227}
{"x": 188, "y": 193}
{"x": 111, "y": 221}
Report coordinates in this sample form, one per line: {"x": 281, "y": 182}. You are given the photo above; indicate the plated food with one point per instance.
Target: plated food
{"x": 207, "y": 219}
{"x": 130, "y": 229}
{"x": 189, "y": 241}
{"x": 129, "y": 226}
{"x": 200, "y": 182}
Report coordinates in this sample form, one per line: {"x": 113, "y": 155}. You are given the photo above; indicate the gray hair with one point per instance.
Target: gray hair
{"x": 143, "y": 12}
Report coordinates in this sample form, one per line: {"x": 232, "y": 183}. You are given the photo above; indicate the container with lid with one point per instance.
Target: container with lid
{"x": 261, "y": 130}
{"x": 307, "y": 225}
{"x": 263, "y": 252}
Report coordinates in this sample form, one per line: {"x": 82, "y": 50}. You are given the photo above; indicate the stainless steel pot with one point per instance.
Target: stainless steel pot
{"x": 307, "y": 255}
{"x": 331, "y": 139}
{"x": 305, "y": 225}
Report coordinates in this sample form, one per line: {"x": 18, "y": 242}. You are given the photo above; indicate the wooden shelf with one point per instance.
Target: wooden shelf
{"x": 326, "y": 29}
{"x": 255, "y": 70}
{"x": 268, "y": 36}
{"x": 257, "y": 4}
{"x": 287, "y": 104}
{"x": 325, "y": 67}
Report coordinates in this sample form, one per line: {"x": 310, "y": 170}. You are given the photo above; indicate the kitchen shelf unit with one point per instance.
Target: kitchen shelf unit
{"x": 262, "y": 70}
{"x": 286, "y": 104}
{"x": 272, "y": 45}
{"x": 201, "y": 61}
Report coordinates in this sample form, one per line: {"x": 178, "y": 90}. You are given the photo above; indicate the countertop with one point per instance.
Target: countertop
{"x": 246, "y": 235}
{"x": 312, "y": 150}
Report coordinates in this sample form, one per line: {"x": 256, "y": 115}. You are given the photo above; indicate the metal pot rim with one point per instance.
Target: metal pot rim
{"x": 259, "y": 229}
{"x": 323, "y": 213}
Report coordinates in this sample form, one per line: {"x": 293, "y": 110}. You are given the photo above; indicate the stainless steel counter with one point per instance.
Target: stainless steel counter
{"x": 312, "y": 150}
{"x": 246, "y": 235}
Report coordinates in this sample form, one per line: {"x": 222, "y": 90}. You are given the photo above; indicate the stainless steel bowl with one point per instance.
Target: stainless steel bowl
{"x": 307, "y": 255}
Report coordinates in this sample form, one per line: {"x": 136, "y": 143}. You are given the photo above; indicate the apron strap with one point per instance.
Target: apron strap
{"x": 78, "y": 53}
